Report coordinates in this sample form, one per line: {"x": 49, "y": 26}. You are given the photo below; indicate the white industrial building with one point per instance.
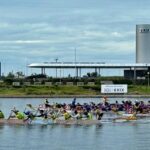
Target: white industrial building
{"x": 143, "y": 43}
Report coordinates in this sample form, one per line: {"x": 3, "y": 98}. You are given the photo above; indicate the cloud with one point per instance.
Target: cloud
{"x": 25, "y": 42}
{"x": 42, "y": 30}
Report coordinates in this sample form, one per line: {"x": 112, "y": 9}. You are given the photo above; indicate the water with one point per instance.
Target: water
{"x": 114, "y": 136}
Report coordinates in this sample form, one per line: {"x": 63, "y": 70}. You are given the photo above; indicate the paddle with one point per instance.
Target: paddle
{"x": 10, "y": 115}
{"x": 30, "y": 106}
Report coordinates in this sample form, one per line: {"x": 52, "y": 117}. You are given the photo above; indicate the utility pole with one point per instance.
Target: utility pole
{"x": 75, "y": 60}
{"x": 0, "y": 70}
{"x": 56, "y": 59}
{"x": 60, "y": 76}
{"x": 148, "y": 78}
{"x": 26, "y": 68}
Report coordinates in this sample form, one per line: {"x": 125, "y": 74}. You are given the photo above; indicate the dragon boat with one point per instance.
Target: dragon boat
{"x": 38, "y": 121}
{"x": 125, "y": 118}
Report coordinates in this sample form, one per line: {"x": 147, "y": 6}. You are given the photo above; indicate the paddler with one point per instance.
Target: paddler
{"x": 99, "y": 113}
{"x": 67, "y": 116}
{"x": 42, "y": 114}
{"x": 30, "y": 116}
{"x": 105, "y": 100}
{"x": 20, "y": 116}
{"x": 89, "y": 115}
{"x": 47, "y": 105}
{"x": 13, "y": 113}
{"x": 1, "y": 115}
{"x": 73, "y": 102}
{"x": 53, "y": 116}
{"x": 17, "y": 114}
{"x": 137, "y": 107}
{"x": 78, "y": 115}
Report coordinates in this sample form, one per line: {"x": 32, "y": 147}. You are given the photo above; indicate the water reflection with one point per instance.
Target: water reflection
{"x": 126, "y": 136}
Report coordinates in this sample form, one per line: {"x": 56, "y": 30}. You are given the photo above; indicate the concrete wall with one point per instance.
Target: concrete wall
{"x": 48, "y": 83}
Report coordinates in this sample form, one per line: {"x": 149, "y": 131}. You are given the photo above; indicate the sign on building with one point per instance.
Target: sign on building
{"x": 114, "y": 88}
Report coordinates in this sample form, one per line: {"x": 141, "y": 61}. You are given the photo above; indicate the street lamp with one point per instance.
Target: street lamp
{"x": 148, "y": 78}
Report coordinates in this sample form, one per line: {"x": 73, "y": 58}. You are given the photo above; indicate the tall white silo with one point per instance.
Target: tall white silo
{"x": 143, "y": 43}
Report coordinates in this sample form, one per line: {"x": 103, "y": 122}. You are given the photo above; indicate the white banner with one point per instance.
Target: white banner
{"x": 114, "y": 88}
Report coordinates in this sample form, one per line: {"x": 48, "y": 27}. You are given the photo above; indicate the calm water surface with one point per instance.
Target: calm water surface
{"x": 108, "y": 136}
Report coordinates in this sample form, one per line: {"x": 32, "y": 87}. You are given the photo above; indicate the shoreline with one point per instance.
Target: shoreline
{"x": 72, "y": 96}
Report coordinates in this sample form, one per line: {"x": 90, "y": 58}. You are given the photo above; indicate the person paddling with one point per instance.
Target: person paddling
{"x": 78, "y": 115}
{"x": 17, "y": 114}
{"x": 29, "y": 116}
{"x": 73, "y": 102}
{"x": 1, "y": 115}
{"x": 99, "y": 113}
{"x": 67, "y": 116}
{"x": 89, "y": 115}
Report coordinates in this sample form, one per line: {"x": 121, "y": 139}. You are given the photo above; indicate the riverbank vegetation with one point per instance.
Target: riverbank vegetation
{"x": 49, "y": 86}
{"x": 65, "y": 90}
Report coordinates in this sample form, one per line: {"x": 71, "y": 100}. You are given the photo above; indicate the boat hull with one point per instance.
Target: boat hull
{"x": 12, "y": 121}
{"x": 124, "y": 119}
{"x": 78, "y": 122}
{"x": 49, "y": 122}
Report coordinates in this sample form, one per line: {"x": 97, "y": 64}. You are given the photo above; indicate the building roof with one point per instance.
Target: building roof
{"x": 87, "y": 65}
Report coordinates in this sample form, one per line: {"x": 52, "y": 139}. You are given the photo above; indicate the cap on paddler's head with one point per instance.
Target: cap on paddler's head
{"x": 29, "y": 105}
{"x": 46, "y": 101}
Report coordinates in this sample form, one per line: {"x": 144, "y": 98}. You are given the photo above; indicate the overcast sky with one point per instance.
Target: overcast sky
{"x": 42, "y": 30}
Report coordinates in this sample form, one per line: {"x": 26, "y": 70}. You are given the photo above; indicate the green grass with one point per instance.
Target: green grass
{"x": 139, "y": 89}
{"x": 43, "y": 90}
{"x": 65, "y": 90}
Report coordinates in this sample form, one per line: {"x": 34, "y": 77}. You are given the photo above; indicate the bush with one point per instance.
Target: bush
{"x": 8, "y": 81}
{"x": 123, "y": 81}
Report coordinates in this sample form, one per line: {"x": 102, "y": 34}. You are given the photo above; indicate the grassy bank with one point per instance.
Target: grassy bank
{"x": 64, "y": 90}
{"x": 45, "y": 90}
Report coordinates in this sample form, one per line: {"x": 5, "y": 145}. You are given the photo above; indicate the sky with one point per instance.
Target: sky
{"x": 33, "y": 31}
